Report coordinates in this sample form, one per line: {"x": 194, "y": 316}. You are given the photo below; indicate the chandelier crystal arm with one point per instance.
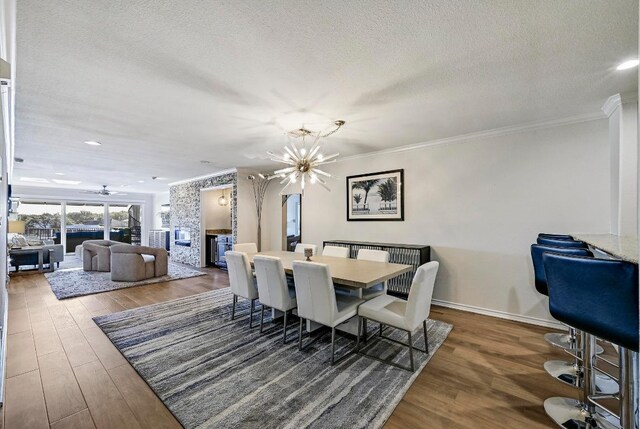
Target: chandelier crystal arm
{"x": 284, "y": 170}
{"x": 298, "y": 156}
{"x": 324, "y": 173}
{"x": 303, "y": 163}
{"x": 285, "y": 179}
{"x": 315, "y": 164}
{"x": 291, "y": 153}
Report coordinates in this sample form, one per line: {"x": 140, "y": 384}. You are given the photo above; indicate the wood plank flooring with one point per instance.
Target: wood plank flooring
{"x": 63, "y": 372}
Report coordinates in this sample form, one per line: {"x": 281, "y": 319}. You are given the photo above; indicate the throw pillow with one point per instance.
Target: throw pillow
{"x": 19, "y": 241}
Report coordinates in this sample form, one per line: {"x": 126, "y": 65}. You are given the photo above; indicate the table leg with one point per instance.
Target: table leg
{"x": 40, "y": 261}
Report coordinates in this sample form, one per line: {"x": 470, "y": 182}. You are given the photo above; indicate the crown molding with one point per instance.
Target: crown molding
{"x": 616, "y": 100}
{"x": 496, "y": 132}
{"x": 611, "y": 104}
{"x": 206, "y": 176}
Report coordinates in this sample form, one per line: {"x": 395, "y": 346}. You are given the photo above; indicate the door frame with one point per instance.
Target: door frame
{"x": 203, "y": 226}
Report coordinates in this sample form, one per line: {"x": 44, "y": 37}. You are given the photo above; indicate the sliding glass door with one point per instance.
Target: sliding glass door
{"x": 124, "y": 223}
{"x": 83, "y": 221}
{"x": 71, "y": 223}
{"x": 41, "y": 220}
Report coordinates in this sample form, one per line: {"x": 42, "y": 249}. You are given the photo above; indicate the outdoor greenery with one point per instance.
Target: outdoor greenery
{"x": 83, "y": 217}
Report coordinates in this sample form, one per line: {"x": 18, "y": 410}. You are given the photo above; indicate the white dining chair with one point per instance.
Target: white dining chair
{"x": 241, "y": 281}
{"x": 246, "y": 247}
{"x": 406, "y": 315}
{"x": 336, "y": 251}
{"x": 273, "y": 289}
{"x": 377, "y": 256}
{"x": 375, "y": 290}
{"x": 301, "y": 246}
{"x": 317, "y": 301}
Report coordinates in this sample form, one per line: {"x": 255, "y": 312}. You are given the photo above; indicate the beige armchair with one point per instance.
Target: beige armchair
{"x": 135, "y": 263}
{"x": 96, "y": 255}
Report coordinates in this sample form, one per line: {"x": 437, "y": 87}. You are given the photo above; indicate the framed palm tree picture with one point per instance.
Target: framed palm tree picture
{"x": 376, "y": 196}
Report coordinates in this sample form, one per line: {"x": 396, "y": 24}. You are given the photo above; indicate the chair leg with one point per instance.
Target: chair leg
{"x": 261, "y": 317}
{"x": 284, "y": 329}
{"x": 333, "y": 342}
{"x": 300, "y": 334}
{"x": 233, "y": 308}
{"x": 253, "y": 306}
{"x": 426, "y": 339}
{"x": 380, "y": 332}
{"x": 410, "y": 351}
{"x": 364, "y": 329}
{"x": 359, "y": 333}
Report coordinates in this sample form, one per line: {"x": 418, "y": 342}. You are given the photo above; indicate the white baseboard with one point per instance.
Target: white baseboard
{"x": 501, "y": 314}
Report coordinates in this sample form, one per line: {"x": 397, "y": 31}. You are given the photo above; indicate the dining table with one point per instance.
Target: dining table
{"x": 356, "y": 274}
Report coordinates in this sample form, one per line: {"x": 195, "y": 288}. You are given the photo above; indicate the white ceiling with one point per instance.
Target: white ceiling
{"x": 164, "y": 85}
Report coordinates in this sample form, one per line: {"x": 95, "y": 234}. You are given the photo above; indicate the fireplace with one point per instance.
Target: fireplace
{"x": 182, "y": 236}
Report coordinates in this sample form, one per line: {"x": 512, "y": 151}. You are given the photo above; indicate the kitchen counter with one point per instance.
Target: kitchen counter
{"x": 218, "y": 231}
{"x": 622, "y": 247}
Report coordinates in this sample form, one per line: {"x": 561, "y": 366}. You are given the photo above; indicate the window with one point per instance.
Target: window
{"x": 124, "y": 221}
{"x": 42, "y": 220}
{"x": 84, "y": 221}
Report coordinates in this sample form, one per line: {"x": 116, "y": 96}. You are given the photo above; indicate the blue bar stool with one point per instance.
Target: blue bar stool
{"x": 562, "y": 243}
{"x": 555, "y": 236}
{"x": 570, "y": 373}
{"x": 599, "y": 297}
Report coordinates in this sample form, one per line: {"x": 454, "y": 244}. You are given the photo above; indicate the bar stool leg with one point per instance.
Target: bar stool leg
{"x": 567, "y": 341}
{"x": 567, "y": 412}
{"x": 572, "y": 373}
{"x": 628, "y": 392}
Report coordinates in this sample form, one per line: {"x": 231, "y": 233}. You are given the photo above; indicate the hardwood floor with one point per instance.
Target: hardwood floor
{"x": 63, "y": 372}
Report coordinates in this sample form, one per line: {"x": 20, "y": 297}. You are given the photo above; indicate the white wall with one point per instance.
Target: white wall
{"x": 628, "y": 188}
{"x": 479, "y": 203}
{"x": 215, "y": 215}
{"x": 158, "y": 200}
{"x": 622, "y": 111}
{"x": 64, "y": 194}
{"x": 247, "y": 220}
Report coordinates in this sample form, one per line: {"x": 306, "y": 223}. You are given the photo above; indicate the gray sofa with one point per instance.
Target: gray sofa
{"x": 19, "y": 241}
{"x": 135, "y": 263}
{"x": 96, "y": 255}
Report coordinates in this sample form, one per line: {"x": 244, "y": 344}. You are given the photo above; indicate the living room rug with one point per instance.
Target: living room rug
{"x": 71, "y": 280}
{"x": 212, "y": 372}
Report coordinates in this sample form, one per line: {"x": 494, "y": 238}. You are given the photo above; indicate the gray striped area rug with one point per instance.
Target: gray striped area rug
{"x": 212, "y": 372}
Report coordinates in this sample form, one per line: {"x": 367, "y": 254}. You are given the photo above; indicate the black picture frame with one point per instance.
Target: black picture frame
{"x": 371, "y": 201}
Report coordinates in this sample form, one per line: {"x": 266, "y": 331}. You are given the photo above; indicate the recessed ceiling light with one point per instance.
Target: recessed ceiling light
{"x": 66, "y": 182}
{"x": 92, "y": 143}
{"x": 20, "y": 160}
{"x": 159, "y": 178}
{"x": 34, "y": 179}
{"x": 59, "y": 174}
{"x": 140, "y": 181}
{"x": 628, "y": 65}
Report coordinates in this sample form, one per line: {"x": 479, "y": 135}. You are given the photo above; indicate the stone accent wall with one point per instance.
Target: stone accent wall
{"x": 184, "y": 199}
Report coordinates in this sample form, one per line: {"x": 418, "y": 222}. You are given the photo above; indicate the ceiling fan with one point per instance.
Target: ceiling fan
{"x": 104, "y": 192}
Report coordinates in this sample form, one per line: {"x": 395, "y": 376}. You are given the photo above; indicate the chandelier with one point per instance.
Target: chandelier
{"x": 303, "y": 161}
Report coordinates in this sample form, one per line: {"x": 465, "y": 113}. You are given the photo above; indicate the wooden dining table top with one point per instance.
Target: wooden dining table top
{"x": 355, "y": 273}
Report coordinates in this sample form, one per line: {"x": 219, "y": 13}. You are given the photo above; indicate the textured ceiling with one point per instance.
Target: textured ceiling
{"x": 164, "y": 85}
